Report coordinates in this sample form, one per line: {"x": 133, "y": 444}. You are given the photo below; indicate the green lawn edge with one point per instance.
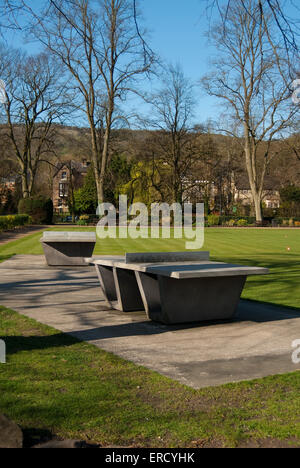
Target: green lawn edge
{"x": 55, "y": 385}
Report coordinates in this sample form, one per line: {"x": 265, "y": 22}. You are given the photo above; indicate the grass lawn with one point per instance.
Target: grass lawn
{"x": 56, "y": 385}
{"x": 261, "y": 247}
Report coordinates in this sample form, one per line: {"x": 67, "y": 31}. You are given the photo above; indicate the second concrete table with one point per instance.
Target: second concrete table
{"x": 63, "y": 248}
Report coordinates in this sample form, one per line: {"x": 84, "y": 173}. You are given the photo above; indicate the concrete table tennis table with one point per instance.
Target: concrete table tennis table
{"x": 63, "y": 248}
{"x": 173, "y": 288}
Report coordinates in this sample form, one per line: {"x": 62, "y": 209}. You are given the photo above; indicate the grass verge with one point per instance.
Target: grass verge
{"x": 55, "y": 386}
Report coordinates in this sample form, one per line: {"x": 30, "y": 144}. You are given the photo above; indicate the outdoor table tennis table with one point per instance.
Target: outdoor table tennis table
{"x": 173, "y": 288}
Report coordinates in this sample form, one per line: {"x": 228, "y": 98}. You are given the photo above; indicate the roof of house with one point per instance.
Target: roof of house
{"x": 78, "y": 166}
{"x": 242, "y": 182}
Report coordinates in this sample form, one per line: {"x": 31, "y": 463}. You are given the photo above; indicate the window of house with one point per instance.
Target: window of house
{"x": 62, "y": 190}
{"x": 64, "y": 175}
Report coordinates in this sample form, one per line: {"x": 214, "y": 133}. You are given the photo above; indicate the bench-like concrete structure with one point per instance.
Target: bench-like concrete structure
{"x": 63, "y": 248}
{"x": 206, "y": 290}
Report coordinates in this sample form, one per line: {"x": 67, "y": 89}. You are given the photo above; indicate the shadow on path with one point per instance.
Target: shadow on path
{"x": 249, "y": 311}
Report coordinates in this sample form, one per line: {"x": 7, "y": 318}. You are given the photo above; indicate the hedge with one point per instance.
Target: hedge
{"x": 13, "y": 221}
{"x": 40, "y": 209}
{"x": 288, "y": 221}
{"x": 225, "y": 220}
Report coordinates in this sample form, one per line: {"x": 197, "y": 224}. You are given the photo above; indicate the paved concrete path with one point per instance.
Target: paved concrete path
{"x": 256, "y": 344}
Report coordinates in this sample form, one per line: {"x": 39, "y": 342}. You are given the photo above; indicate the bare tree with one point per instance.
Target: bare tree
{"x": 102, "y": 48}
{"x": 292, "y": 145}
{"x": 172, "y": 111}
{"x": 275, "y": 10}
{"x": 9, "y": 11}
{"x": 251, "y": 81}
{"x": 35, "y": 100}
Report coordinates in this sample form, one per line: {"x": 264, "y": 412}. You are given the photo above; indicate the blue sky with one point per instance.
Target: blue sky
{"x": 177, "y": 33}
{"x": 177, "y": 30}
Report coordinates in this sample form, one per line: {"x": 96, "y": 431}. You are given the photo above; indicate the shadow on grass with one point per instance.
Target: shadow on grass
{"x": 16, "y": 344}
{"x": 274, "y": 264}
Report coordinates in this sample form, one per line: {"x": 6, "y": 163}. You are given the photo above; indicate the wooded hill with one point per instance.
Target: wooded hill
{"x": 215, "y": 156}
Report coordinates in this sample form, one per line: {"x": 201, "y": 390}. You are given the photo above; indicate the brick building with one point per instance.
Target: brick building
{"x": 69, "y": 175}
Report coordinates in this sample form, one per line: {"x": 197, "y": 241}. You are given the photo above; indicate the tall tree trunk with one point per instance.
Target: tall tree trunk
{"x": 257, "y": 206}
{"x": 25, "y": 188}
{"x": 95, "y": 161}
{"x": 252, "y": 175}
{"x": 104, "y": 163}
{"x": 104, "y": 159}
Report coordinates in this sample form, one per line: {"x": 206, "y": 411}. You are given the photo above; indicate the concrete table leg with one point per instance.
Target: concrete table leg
{"x": 107, "y": 282}
{"x": 120, "y": 288}
{"x": 171, "y": 301}
{"x": 150, "y": 293}
{"x": 128, "y": 293}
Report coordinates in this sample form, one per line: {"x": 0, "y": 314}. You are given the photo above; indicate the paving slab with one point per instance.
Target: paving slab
{"x": 257, "y": 343}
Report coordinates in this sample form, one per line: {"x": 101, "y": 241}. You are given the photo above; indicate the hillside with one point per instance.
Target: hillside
{"x": 73, "y": 143}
